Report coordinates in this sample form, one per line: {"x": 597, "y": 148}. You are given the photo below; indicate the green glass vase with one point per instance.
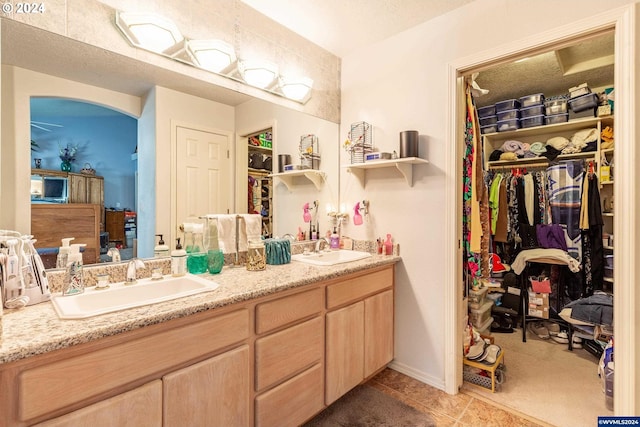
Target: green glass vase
{"x": 65, "y": 166}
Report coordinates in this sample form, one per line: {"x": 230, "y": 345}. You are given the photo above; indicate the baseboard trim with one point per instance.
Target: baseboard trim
{"x": 418, "y": 375}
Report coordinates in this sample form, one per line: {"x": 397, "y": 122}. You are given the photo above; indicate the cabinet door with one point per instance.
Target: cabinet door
{"x": 95, "y": 190}
{"x": 141, "y": 407}
{"x": 345, "y": 350}
{"x": 77, "y": 188}
{"x": 378, "y": 332}
{"x": 214, "y": 392}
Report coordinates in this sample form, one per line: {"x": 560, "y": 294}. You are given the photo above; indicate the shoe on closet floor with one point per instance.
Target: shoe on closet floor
{"x": 539, "y": 329}
{"x": 552, "y": 327}
{"x": 492, "y": 354}
{"x": 477, "y": 350}
{"x": 561, "y": 337}
{"x": 576, "y": 342}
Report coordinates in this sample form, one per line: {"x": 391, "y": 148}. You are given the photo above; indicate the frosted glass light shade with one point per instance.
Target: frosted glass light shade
{"x": 149, "y": 31}
{"x": 298, "y": 89}
{"x": 260, "y": 74}
{"x": 212, "y": 55}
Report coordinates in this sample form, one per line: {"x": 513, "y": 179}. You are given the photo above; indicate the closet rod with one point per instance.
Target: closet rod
{"x": 520, "y": 166}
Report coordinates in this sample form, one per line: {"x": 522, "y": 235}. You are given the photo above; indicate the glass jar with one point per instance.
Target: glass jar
{"x": 197, "y": 262}
{"x": 256, "y": 259}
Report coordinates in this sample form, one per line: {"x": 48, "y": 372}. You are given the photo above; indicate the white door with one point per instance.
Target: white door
{"x": 202, "y": 173}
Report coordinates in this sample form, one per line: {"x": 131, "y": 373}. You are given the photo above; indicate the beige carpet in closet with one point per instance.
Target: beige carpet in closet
{"x": 547, "y": 381}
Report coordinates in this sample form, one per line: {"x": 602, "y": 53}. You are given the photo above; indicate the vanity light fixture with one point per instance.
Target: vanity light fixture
{"x": 297, "y": 89}
{"x": 149, "y": 31}
{"x": 211, "y": 55}
{"x": 261, "y": 74}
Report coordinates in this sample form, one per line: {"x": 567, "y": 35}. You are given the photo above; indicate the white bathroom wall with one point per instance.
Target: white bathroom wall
{"x": 401, "y": 84}
{"x": 289, "y": 126}
{"x": 176, "y": 107}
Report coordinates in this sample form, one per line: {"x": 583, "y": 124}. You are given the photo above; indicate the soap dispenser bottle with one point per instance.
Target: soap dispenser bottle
{"x": 74, "y": 281}
{"x": 178, "y": 260}
{"x": 334, "y": 240}
{"x": 63, "y": 253}
{"x": 388, "y": 246}
{"x": 160, "y": 250}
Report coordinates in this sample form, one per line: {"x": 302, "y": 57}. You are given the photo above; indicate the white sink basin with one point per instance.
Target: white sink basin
{"x": 331, "y": 258}
{"x": 119, "y": 296}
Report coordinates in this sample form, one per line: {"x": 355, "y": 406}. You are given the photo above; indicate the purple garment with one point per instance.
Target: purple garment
{"x": 551, "y": 236}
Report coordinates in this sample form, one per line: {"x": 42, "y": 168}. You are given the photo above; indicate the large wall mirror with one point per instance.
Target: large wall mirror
{"x": 44, "y": 74}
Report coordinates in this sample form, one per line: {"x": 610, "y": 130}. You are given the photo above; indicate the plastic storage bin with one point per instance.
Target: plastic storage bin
{"x": 489, "y": 120}
{"x": 535, "y": 110}
{"x": 478, "y": 316}
{"x": 555, "y": 106}
{"x": 529, "y": 100}
{"x": 584, "y": 102}
{"x": 557, "y": 118}
{"x": 489, "y": 110}
{"x": 476, "y": 297}
{"x": 508, "y": 115}
{"x": 608, "y": 260}
{"x": 530, "y": 122}
{"x": 489, "y": 129}
{"x": 509, "y": 104}
{"x": 507, "y": 125}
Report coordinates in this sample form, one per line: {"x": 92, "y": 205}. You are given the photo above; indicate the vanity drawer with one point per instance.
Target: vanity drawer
{"x": 274, "y": 314}
{"x": 355, "y": 289}
{"x": 105, "y": 369}
{"x": 283, "y": 354}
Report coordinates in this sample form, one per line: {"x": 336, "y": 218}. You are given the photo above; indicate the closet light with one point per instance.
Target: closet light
{"x": 260, "y": 74}
{"x": 212, "y": 55}
{"x": 149, "y": 31}
{"x": 297, "y": 89}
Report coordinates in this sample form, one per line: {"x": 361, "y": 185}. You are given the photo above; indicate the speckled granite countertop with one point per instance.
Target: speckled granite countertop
{"x": 37, "y": 329}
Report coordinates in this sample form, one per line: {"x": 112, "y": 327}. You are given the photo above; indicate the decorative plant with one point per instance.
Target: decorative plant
{"x": 68, "y": 153}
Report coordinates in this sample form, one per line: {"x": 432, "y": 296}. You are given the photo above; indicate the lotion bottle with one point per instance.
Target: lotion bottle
{"x": 74, "y": 280}
{"x": 160, "y": 250}
{"x": 63, "y": 253}
{"x": 334, "y": 240}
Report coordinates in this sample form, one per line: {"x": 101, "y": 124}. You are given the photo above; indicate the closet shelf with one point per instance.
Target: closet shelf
{"x": 607, "y": 183}
{"x": 530, "y": 160}
{"x": 575, "y": 124}
{"x": 404, "y": 165}
{"x": 315, "y": 176}
{"x": 607, "y": 214}
{"x": 609, "y": 248}
{"x": 608, "y": 279}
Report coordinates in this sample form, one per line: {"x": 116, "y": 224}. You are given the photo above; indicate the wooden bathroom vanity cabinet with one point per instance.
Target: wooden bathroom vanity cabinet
{"x": 275, "y": 360}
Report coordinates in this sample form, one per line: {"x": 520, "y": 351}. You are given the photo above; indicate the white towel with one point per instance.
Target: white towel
{"x": 227, "y": 233}
{"x": 252, "y": 228}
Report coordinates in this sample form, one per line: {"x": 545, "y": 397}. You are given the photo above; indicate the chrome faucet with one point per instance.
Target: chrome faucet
{"x": 132, "y": 270}
{"x": 114, "y": 253}
{"x": 320, "y": 241}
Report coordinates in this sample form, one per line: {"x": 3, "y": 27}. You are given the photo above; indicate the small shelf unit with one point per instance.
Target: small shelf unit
{"x": 404, "y": 165}
{"x": 315, "y": 176}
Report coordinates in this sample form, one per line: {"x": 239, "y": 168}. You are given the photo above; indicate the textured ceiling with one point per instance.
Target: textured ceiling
{"x": 342, "y": 26}
{"x": 550, "y": 73}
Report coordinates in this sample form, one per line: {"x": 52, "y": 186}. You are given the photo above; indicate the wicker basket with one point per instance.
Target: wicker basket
{"x": 87, "y": 169}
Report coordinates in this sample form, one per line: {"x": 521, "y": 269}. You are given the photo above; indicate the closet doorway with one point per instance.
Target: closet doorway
{"x": 502, "y": 61}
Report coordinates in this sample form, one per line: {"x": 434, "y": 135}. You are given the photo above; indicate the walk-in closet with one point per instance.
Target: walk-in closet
{"x": 538, "y": 231}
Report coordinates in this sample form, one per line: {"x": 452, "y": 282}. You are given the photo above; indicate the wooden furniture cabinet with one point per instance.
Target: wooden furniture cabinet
{"x": 141, "y": 407}
{"x": 214, "y": 392}
{"x": 87, "y": 189}
{"x": 268, "y": 361}
{"x": 114, "y": 225}
{"x": 359, "y": 339}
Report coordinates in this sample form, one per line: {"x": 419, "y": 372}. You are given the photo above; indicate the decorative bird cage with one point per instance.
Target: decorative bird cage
{"x": 361, "y": 141}
{"x": 309, "y": 154}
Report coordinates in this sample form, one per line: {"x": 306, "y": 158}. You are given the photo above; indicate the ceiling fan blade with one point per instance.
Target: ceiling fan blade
{"x": 40, "y": 127}
{"x": 47, "y": 124}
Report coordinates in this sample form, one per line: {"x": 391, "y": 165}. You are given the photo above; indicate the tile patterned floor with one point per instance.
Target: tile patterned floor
{"x": 463, "y": 409}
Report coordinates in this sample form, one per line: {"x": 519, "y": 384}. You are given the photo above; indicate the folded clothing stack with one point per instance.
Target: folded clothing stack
{"x": 278, "y": 251}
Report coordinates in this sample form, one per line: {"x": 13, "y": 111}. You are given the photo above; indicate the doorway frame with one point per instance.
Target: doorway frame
{"x": 622, "y": 20}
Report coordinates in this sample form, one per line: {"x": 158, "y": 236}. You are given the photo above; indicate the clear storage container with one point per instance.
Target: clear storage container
{"x": 557, "y": 118}
{"x": 509, "y": 104}
{"x": 555, "y": 106}
{"x": 508, "y": 115}
{"x": 584, "y": 102}
{"x": 489, "y": 110}
{"x": 529, "y": 100}
{"x": 530, "y": 122}
{"x": 507, "y": 125}
{"x": 535, "y": 110}
{"x": 478, "y": 317}
{"x": 489, "y": 129}
{"x": 489, "y": 120}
